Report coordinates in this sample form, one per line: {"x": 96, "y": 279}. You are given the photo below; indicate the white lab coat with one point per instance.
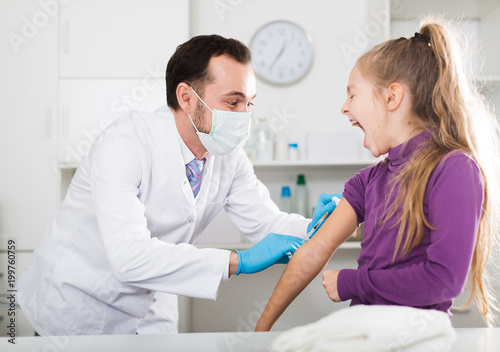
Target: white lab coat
{"x": 119, "y": 249}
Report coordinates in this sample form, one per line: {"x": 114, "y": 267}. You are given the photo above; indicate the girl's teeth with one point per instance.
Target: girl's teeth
{"x": 356, "y": 124}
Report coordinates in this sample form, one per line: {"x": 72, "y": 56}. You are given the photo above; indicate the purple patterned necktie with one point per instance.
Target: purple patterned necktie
{"x": 194, "y": 177}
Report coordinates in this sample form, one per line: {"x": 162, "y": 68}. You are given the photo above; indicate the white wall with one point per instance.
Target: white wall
{"x": 491, "y": 24}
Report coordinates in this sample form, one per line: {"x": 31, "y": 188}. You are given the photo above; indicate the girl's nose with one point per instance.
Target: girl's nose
{"x": 344, "y": 109}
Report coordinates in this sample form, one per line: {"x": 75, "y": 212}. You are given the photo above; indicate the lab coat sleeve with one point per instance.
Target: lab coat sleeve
{"x": 135, "y": 258}
{"x": 455, "y": 205}
{"x": 250, "y": 207}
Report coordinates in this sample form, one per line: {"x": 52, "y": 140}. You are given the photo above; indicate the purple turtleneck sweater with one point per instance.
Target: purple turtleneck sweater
{"x": 433, "y": 273}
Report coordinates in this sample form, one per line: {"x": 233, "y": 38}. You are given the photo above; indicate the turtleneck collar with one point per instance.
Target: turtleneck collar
{"x": 403, "y": 152}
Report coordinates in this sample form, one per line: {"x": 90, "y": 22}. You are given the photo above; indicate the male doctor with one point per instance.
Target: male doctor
{"x": 119, "y": 249}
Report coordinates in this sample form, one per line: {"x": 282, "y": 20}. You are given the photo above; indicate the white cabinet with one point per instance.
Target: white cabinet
{"x": 8, "y": 306}
{"x": 120, "y": 38}
{"x": 22, "y": 325}
{"x": 28, "y": 86}
{"x": 112, "y": 60}
{"x": 88, "y": 106}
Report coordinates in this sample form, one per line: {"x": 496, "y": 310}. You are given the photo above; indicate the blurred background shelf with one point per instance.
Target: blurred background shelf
{"x": 246, "y": 245}
{"x": 312, "y": 163}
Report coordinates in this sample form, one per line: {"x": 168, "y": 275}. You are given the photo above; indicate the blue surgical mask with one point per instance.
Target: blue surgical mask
{"x": 230, "y": 130}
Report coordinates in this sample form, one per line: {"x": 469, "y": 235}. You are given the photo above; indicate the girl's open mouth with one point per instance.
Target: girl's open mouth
{"x": 355, "y": 123}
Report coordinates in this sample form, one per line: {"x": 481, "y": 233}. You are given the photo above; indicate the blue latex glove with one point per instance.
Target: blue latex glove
{"x": 325, "y": 205}
{"x": 270, "y": 250}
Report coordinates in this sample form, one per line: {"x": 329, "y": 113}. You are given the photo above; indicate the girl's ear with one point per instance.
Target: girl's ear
{"x": 395, "y": 93}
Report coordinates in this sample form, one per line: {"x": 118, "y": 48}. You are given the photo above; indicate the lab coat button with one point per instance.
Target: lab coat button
{"x": 148, "y": 292}
{"x": 191, "y": 221}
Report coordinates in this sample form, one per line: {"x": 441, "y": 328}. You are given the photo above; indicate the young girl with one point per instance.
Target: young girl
{"x": 430, "y": 209}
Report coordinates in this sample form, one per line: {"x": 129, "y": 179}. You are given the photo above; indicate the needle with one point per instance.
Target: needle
{"x": 310, "y": 233}
{"x": 318, "y": 224}
{"x": 320, "y": 221}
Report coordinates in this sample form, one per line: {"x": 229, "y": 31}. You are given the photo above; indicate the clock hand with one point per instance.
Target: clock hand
{"x": 278, "y": 56}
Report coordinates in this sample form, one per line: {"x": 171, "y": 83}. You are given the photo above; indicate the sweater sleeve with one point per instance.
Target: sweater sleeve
{"x": 355, "y": 188}
{"x": 455, "y": 196}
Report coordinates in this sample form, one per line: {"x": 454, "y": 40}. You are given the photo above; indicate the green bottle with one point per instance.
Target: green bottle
{"x": 301, "y": 197}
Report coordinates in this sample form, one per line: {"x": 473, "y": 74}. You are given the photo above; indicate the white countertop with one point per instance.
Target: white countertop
{"x": 468, "y": 340}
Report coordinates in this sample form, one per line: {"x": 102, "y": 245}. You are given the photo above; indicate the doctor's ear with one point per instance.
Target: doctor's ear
{"x": 184, "y": 95}
{"x": 394, "y": 96}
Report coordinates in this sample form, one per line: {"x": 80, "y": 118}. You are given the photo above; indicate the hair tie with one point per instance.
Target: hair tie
{"x": 422, "y": 38}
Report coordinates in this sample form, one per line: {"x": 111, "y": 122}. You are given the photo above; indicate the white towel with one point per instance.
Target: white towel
{"x": 372, "y": 328}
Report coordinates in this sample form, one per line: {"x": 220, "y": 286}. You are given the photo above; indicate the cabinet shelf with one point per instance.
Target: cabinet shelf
{"x": 246, "y": 245}
{"x": 312, "y": 163}
{"x": 280, "y": 164}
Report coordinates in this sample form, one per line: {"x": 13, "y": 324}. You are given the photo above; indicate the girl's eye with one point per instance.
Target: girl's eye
{"x": 232, "y": 103}
{"x": 250, "y": 104}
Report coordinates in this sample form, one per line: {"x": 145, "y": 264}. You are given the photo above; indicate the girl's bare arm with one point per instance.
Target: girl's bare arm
{"x": 307, "y": 262}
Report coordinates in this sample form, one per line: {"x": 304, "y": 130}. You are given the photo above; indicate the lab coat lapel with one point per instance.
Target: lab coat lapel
{"x": 188, "y": 192}
{"x": 201, "y": 199}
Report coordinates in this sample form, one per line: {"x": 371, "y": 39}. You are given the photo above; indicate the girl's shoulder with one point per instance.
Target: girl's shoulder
{"x": 366, "y": 175}
{"x": 458, "y": 159}
{"x": 457, "y": 164}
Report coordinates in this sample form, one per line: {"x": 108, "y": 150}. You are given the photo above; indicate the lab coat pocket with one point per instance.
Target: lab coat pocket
{"x": 133, "y": 300}
{"x": 76, "y": 297}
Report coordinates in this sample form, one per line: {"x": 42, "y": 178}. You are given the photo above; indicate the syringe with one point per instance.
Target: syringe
{"x": 318, "y": 224}
{"x": 320, "y": 221}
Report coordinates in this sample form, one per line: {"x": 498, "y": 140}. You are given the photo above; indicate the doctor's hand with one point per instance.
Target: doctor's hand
{"x": 326, "y": 204}
{"x": 271, "y": 250}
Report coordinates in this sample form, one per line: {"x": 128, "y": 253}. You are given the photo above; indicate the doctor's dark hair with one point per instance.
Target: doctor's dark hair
{"x": 190, "y": 61}
{"x": 433, "y": 67}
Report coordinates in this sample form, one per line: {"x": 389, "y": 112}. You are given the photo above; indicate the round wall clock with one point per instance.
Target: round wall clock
{"x": 281, "y": 52}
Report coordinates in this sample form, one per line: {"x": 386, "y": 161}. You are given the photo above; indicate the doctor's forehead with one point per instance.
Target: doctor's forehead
{"x": 230, "y": 77}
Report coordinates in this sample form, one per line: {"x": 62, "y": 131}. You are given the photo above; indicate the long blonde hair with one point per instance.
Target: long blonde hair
{"x": 447, "y": 102}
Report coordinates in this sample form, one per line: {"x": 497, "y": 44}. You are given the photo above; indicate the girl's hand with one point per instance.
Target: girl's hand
{"x": 330, "y": 284}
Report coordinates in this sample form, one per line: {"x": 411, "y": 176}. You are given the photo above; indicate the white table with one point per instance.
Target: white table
{"x": 468, "y": 340}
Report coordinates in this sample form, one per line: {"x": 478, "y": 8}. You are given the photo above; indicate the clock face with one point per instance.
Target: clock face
{"x": 281, "y": 52}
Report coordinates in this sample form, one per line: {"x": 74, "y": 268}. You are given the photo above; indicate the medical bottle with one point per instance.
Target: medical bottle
{"x": 301, "y": 196}
{"x": 264, "y": 141}
{"x": 293, "y": 151}
{"x": 280, "y": 147}
{"x": 286, "y": 199}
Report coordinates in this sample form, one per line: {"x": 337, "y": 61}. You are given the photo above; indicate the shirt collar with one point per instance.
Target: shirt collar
{"x": 187, "y": 154}
{"x": 403, "y": 152}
